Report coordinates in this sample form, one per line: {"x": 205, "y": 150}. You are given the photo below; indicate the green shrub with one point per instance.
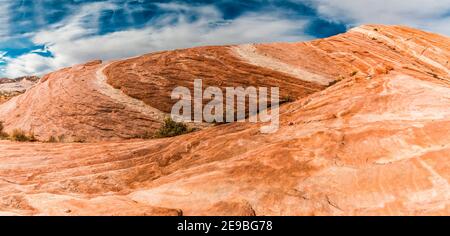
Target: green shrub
{"x": 172, "y": 129}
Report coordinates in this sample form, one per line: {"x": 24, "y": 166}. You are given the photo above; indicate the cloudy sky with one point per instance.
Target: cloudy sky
{"x": 38, "y": 36}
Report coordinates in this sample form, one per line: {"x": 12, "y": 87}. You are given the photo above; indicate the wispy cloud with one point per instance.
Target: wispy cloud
{"x": 4, "y": 19}
{"x": 432, "y": 15}
{"x": 75, "y": 40}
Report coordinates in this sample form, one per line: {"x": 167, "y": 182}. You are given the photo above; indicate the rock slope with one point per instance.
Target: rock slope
{"x": 368, "y": 135}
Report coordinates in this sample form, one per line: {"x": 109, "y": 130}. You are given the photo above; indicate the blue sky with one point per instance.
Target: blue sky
{"x": 38, "y": 36}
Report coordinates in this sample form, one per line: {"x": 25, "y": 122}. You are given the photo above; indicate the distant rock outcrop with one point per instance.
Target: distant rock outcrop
{"x": 10, "y": 88}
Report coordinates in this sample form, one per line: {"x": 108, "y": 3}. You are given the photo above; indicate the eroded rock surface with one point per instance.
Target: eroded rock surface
{"x": 373, "y": 141}
{"x": 10, "y": 88}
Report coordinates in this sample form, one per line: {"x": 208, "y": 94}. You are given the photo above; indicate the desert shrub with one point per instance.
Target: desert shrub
{"x": 3, "y": 135}
{"x": 19, "y": 136}
{"x": 31, "y": 137}
{"x": 353, "y": 73}
{"x": 287, "y": 99}
{"x": 61, "y": 138}
{"x": 79, "y": 140}
{"x": 172, "y": 129}
{"x": 52, "y": 139}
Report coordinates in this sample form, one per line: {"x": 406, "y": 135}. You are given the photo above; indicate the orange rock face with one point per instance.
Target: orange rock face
{"x": 369, "y": 133}
{"x": 152, "y": 78}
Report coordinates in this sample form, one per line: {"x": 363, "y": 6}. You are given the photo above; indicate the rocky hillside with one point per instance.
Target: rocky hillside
{"x": 369, "y": 133}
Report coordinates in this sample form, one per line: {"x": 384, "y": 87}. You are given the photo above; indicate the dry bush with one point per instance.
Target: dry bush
{"x": 21, "y": 136}
{"x": 172, "y": 129}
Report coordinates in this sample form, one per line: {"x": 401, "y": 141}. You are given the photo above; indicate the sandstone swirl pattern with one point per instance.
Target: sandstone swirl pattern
{"x": 369, "y": 133}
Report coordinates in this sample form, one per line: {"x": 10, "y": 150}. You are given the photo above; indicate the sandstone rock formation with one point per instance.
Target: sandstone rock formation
{"x": 369, "y": 133}
{"x": 10, "y": 88}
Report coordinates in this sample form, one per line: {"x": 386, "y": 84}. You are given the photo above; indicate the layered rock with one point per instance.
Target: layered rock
{"x": 373, "y": 140}
{"x": 10, "y": 88}
{"x": 131, "y": 98}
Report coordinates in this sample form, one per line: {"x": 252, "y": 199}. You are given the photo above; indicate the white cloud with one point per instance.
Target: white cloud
{"x": 74, "y": 41}
{"x": 27, "y": 64}
{"x": 432, "y": 15}
{"x": 4, "y": 19}
{"x": 2, "y": 59}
